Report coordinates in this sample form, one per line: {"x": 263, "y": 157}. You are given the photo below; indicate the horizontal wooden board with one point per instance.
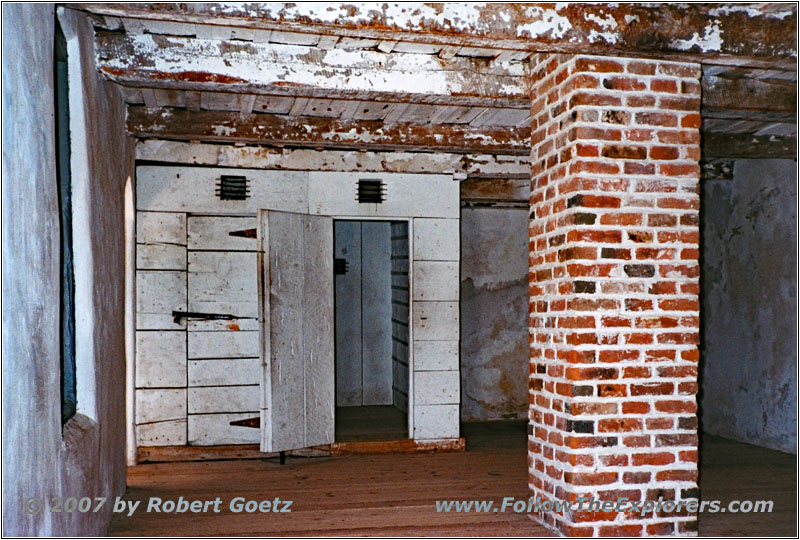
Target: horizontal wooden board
{"x": 223, "y": 399}
{"x": 436, "y": 421}
{"x": 435, "y": 355}
{"x": 214, "y": 429}
{"x": 160, "y": 257}
{"x": 154, "y": 227}
{"x": 158, "y": 294}
{"x": 194, "y": 189}
{"x": 170, "y": 432}
{"x": 158, "y": 405}
{"x": 213, "y": 233}
{"x": 436, "y": 280}
{"x": 436, "y": 240}
{"x": 232, "y": 371}
{"x": 160, "y": 359}
{"x": 436, "y": 387}
{"x": 436, "y": 321}
{"x": 407, "y": 195}
{"x": 223, "y": 345}
{"x": 223, "y": 282}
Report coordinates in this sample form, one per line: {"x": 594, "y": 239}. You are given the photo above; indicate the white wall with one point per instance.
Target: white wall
{"x": 87, "y": 457}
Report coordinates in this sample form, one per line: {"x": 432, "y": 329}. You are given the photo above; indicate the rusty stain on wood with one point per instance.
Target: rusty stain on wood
{"x": 757, "y": 31}
{"x": 324, "y": 132}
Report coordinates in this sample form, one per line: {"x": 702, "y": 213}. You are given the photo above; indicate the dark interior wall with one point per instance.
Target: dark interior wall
{"x": 494, "y": 313}
{"x": 86, "y": 457}
{"x": 749, "y": 368}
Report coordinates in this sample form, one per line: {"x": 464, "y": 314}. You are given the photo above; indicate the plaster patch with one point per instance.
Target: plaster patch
{"x": 711, "y": 39}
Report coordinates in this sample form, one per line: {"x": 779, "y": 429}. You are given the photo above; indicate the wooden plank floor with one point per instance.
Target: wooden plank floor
{"x": 384, "y": 495}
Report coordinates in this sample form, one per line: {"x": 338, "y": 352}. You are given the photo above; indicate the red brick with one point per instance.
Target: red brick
{"x": 664, "y": 85}
{"x": 658, "y": 458}
{"x": 598, "y": 65}
{"x": 635, "y": 407}
{"x": 676, "y": 406}
{"x": 664, "y": 152}
{"x": 656, "y": 119}
{"x": 619, "y": 425}
{"x": 652, "y": 389}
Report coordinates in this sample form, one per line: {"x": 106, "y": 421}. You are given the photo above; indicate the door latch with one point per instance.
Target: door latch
{"x": 340, "y": 267}
{"x": 178, "y": 315}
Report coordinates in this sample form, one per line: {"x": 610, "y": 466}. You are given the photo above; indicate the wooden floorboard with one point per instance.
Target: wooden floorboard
{"x": 394, "y": 495}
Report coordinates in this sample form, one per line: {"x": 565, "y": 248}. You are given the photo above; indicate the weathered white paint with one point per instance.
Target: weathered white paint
{"x": 436, "y": 421}
{"x": 436, "y": 240}
{"x": 228, "y": 344}
{"x": 233, "y": 371}
{"x": 160, "y": 359}
{"x": 271, "y": 68}
{"x": 435, "y": 321}
{"x": 160, "y": 257}
{"x": 213, "y": 233}
{"x": 436, "y": 280}
{"x": 214, "y": 429}
{"x": 435, "y": 355}
{"x": 348, "y": 319}
{"x": 296, "y": 299}
{"x": 158, "y": 405}
{"x": 225, "y": 399}
{"x": 436, "y": 387}
{"x": 167, "y": 433}
{"x": 223, "y": 282}
{"x": 41, "y": 457}
{"x": 160, "y": 227}
{"x": 158, "y": 293}
{"x": 130, "y": 323}
{"x": 186, "y": 189}
{"x": 336, "y": 195}
{"x": 256, "y": 157}
{"x": 218, "y": 277}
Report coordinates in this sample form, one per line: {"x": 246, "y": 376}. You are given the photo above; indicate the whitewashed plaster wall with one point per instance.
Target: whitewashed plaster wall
{"x": 494, "y": 313}
{"x": 430, "y": 202}
{"x": 87, "y": 456}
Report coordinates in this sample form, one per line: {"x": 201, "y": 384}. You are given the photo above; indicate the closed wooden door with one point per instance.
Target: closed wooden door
{"x": 297, "y": 342}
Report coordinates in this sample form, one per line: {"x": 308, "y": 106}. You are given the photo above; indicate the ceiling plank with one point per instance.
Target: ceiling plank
{"x": 237, "y": 66}
{"x": 761, "y": 32}
{"x": 745, "y": 145}
{"x": 321, "y": 132}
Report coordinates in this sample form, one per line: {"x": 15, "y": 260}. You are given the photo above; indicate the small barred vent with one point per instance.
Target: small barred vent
{"x": 371, "y": 191}
{"x": 233, "y": 188}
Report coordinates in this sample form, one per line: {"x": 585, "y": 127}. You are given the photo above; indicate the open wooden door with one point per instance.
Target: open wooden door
{"x": 297, "y": 343}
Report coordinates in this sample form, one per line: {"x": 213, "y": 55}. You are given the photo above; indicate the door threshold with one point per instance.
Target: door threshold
{"x": 170, "y": 454}
{"x": 404, "y": 446}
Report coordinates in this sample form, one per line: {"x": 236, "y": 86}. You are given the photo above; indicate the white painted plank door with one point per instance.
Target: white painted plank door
{"x": 297, "y": 342}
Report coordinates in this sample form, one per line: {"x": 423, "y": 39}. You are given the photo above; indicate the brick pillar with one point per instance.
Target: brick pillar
{"x": 614, "y": 305}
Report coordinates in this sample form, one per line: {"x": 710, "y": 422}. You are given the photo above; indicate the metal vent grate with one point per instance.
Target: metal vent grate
{"x": 232, "y": 188}
{"x": 371, "y": 191}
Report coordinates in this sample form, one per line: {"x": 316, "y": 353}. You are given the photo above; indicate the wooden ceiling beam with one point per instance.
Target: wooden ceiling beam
{"x": 762, "y": 33}
{"x": 745, "y": 94}
{"x": 179, "y": 62}
{"x": 321, "y": 132}
{"x": 745, "y": 145}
